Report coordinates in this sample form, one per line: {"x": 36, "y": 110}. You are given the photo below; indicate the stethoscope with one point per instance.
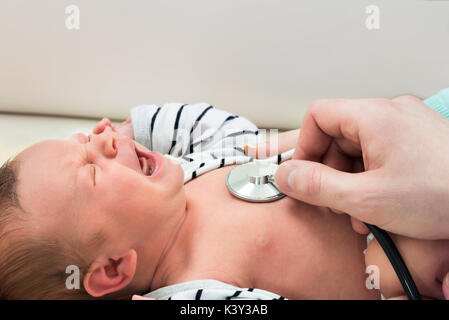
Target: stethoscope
{"x": 254, "y": 182}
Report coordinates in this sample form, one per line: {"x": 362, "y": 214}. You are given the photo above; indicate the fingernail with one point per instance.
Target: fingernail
{"x": 250, "y": 150}
{"x": 447, "y": 280}
{"x": 291, "y": 179}
{"x": 285, "y": 176}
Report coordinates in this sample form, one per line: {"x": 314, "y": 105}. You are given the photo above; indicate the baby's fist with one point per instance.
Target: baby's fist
{"x": 125, "y": 128}
{"x": 105, "y": 122}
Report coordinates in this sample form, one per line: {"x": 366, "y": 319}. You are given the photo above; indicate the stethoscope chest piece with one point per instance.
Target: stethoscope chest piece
{"x": 254, "y": 182}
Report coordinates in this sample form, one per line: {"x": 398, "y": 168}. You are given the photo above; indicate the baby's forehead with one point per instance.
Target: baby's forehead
{"x": 47, "y": 156}
{"x": 52, "y": 151}
{"x": 45, "y": 177}
{"x": 38, "y": 148}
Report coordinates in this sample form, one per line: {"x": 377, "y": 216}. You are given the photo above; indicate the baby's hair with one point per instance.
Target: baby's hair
{"x": 31, "y": 266}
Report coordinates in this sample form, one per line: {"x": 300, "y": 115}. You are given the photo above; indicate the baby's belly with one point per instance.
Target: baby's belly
{"x": 287, "y": 247}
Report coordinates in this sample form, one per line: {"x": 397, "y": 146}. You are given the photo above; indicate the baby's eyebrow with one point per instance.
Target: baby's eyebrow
{"x": 81, "y": 140}
{"x": 75, "y": 163}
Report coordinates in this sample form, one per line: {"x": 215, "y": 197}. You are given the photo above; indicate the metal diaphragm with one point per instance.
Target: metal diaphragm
{"x": 254, "y": 182}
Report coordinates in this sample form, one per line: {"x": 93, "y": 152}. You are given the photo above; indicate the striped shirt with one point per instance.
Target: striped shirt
{"x": 208, "y": 289}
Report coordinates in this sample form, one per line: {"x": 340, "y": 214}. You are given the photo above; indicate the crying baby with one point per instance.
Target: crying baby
{"x": 142, "y": 209}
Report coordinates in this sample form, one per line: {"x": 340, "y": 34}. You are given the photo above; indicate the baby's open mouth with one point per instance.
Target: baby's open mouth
{"x": 145, "y": 167}
{"x": 146, "y": 163}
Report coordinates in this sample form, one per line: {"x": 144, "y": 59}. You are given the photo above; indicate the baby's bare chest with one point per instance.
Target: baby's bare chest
{"x": 217, "y": 206}
{"x": 286, "y": 242}
{"x": 285, "y": 222}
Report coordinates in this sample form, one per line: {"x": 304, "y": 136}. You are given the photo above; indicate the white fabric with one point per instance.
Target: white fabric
{"x": 190, "y": 127}
{"x": 208, "y": 289}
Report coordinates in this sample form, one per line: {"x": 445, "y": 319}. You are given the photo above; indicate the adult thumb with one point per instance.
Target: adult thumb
{"x": 317, "y": 184}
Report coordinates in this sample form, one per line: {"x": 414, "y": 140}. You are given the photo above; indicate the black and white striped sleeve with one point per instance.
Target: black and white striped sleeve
{"x": 179, "y": 129}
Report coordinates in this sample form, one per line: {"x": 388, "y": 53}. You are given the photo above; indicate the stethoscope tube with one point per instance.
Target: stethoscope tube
{"x": 396, "y": 261}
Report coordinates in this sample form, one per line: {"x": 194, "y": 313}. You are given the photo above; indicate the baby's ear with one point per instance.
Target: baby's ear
{"x": 105, "y": 122}
{"x": 107, "y": 275}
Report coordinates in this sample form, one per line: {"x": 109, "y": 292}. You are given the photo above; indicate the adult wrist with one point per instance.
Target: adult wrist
{"x": 440, "y": 102}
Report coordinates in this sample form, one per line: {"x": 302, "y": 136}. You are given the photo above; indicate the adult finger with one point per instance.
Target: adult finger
{"x": 336, "y": 158}
{"x": 343, "y": 157}
{"x": 359, "y": 226}
{"x": 326, "y": 120}
{"x": 318, "y": 184}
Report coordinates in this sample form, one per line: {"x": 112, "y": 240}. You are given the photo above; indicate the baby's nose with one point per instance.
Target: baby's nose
{"x": 104, "y": 144}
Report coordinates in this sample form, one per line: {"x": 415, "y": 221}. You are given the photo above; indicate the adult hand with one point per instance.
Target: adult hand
{"x": 384, "y": 162}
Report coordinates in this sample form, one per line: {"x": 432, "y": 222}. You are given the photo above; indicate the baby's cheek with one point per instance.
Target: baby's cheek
{"x": 381, "y": 269}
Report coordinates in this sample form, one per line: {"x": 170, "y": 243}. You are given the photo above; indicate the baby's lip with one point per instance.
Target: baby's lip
{"x": 154, "y": 160}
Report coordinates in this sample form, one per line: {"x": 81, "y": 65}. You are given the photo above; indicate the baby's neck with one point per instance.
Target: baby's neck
{"x": 175, "y": 252}
{"x": 190, "y": 256}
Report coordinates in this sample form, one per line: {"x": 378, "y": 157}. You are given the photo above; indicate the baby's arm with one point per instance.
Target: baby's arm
{"x": 180, "y": 129}
{"x": 277, "y": 144}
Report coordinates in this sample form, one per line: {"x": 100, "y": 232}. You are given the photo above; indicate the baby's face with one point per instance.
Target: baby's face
{"x": 96, "y": 183}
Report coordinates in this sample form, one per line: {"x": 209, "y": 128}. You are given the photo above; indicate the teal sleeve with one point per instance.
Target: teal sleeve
{"x": 440, "y": 102}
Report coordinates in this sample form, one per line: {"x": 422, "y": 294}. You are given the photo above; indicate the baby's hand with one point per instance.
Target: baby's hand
{"x": 125, "y": 128}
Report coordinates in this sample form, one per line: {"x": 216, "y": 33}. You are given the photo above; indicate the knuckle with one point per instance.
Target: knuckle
{"x": 383, "y": 102}
{"x": 407, "y": 99}
{"x": 368, "y": 201}
{"x": 383, "y": 110}
{"x": 318, "y": 104}
{"x": 312, "y": 184}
